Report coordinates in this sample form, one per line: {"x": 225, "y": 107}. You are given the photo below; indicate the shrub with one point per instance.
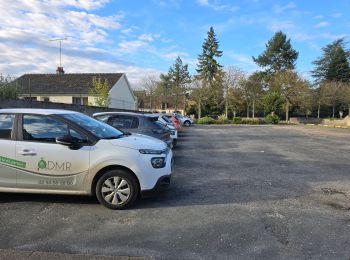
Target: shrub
{"x": 222, "y": 120}
{"x": 253, "y": 121}
{"x": 236, "y": 120}
{"x": 205, "y": 120}
{"x": 272, "y": 119}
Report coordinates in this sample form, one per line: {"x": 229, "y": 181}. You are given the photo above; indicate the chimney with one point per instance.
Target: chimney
{"x": 59, "y": 70}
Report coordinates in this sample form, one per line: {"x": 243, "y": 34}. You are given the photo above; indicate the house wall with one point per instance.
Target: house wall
{"x": 121, "y": 95}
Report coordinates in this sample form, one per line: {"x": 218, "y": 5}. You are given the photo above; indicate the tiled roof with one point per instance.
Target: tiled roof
{"x": 57, "y": 84}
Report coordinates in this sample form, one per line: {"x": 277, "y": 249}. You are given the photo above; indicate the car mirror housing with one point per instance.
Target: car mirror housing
{"x": 69, "y": 141}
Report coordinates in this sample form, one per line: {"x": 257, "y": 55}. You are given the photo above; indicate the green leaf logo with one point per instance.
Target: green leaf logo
{"x": 42, "y": 164}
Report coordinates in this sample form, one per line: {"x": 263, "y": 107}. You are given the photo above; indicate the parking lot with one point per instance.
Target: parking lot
{"x": 269, "y": 192}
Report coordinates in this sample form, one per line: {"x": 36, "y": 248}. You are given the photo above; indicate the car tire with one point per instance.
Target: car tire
{"x": 187, "y": 123}
{"x": 117, "y": 189}
{"x": 174, "y": 142}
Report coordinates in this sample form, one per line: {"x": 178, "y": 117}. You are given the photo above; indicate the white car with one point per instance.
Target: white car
{"x": 65, "y": 152}
{"x": 186, "y": 121}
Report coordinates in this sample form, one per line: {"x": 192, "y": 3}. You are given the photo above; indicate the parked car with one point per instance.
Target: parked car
{"x": 65, "y": 152}
{"x": 186, "y": 121}
{"x": 175, "y": 121}
{"x": 136, "y": 123}
{"x": 168, "y": 124}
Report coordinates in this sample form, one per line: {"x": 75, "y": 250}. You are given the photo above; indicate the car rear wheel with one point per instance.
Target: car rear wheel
{"x": 117, "y": 189}
{"x": 187, "y": 123}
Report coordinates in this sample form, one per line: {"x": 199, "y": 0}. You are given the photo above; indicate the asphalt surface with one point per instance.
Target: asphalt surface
{"x": 238, "y": 192}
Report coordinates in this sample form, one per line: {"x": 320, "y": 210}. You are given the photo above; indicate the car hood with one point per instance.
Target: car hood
{"x": 138, "y": 141}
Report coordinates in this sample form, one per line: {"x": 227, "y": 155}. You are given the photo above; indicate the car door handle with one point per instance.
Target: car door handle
{"x": 26, "y": 152}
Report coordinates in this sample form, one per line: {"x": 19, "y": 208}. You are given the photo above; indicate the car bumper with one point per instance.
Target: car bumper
{"x": 162, "y": 184}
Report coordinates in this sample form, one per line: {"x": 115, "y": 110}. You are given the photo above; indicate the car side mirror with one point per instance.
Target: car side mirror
{"x": 69, "y": 141}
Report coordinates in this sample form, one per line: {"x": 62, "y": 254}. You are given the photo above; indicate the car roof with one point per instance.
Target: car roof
{"x": 118, "y": 113}
{"x": 37, "y": 111}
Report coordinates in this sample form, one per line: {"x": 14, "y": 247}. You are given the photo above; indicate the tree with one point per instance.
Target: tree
{"x": 179, "y": 77}
{"x": 149, "y": 85}
{"x": 8, "y": 87}
{"x": 278, "y": 56}
{"x": 331, "y": 92}
{"x": 290, "y": 86}
{"x": 252, "y": 89}
{"x": 273, "y": 102}
{"x": 198, "y": 93}
{"x": 100, "y": 90}
{"x": 333, "y": 65}
{"x": 345, "y": 97}
{"x": 232, "y": 79}
{"x": 164, "y": 88}
{"x": 210, "y": 71}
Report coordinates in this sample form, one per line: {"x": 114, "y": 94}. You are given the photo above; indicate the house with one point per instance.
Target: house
{"x": 160, "y": 103}
{"x": 75, "y": 88}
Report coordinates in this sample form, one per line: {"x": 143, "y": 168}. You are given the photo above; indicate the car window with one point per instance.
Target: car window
{"x": 103, "y": 118}
{"x": 6, "y": 124}
{"x": 122, "y": 121}
{"x": 80, "y": 138}
{"x": 97, "y": 128}
{"x": 43, "y": 128}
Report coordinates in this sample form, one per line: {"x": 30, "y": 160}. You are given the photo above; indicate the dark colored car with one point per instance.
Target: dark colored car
{"x": 136, "y": 123}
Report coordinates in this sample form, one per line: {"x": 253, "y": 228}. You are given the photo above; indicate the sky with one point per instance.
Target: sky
{"x": 143, "y": 37}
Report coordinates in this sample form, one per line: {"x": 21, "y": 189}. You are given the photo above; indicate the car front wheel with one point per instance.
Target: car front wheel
{"x": 117, "y": 189}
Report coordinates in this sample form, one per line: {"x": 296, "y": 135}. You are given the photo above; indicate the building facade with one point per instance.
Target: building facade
{"x": 76, "y": 88}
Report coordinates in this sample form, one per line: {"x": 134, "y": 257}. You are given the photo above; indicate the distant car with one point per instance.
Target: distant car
{"x": 136, "y": 123}
{"x": 186, "y": 121}
{"x": 167, "y": 123}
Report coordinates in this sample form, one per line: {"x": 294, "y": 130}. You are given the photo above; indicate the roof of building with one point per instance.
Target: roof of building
{"x": 61, "y": 84}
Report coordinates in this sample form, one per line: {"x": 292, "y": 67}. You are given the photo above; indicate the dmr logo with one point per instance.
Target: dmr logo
{"x": 54, "y": 166}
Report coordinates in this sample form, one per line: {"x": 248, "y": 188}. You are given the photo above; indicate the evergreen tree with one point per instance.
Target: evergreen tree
{"x": 333, "y": 65}
{"x": 278, "y": 56}
{"x": 210, "y": 72}
{"x": 179, "y": 77}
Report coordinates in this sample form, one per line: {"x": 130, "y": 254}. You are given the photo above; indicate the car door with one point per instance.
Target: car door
{"x": 8, "y": 162}
{"x": 50, "y": 165}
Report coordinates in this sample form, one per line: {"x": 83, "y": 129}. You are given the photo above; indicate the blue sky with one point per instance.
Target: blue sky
{"x": 143, "y": 38}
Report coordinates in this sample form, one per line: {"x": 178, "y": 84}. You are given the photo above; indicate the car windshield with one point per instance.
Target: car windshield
{"x": 97, "y": 128}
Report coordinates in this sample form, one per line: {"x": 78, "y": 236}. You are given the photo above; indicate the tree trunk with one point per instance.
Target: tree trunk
{"x": 234, "y": 113}
{"x": 333, "y": 111}
{"x": 318, "y": 110}
{"x": 253, "y": 108}
{"x": 287, "y": 111}
{"x": 176, "y": 101}
{"x": 247, "y": 111}
{"x": 199, "y": 109}
{"x": 226, "y": 107}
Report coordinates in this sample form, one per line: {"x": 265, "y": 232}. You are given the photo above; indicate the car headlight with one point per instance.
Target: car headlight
{"x": 158, "y": 162}
{"x": 150, "y": 151}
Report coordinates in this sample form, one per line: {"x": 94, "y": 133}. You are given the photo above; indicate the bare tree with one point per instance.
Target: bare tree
{"x": 149, "y": 85}
{"x": 331, "y": 92}
{"x": 232, "y": 79}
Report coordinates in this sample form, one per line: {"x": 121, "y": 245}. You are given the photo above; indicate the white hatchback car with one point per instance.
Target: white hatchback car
{"x": 65, "y": 152}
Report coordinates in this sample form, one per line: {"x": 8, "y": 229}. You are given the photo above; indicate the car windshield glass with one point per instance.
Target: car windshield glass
{"x": 166, "y": 119}
{"x": 99, "y": 129}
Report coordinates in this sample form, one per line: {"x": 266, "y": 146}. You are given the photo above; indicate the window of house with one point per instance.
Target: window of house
{"x": 46, "y": 99}
{"x": 76, "y": 100}
{"x": 31, "y": 98}
{"x": 6, "y": 125}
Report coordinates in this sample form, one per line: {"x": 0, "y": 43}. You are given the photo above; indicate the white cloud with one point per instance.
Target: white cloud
{"x": 217, "y": 6}
{"x": 337, "y": 15}
{"x": 322, "y": 24}
{"x": 281, "y": 25}
{"x": 26, "y": 26}
{"x": 318, "y": 17}
{"x": 282, "y": 8}
{"x": 243, "y": 61}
